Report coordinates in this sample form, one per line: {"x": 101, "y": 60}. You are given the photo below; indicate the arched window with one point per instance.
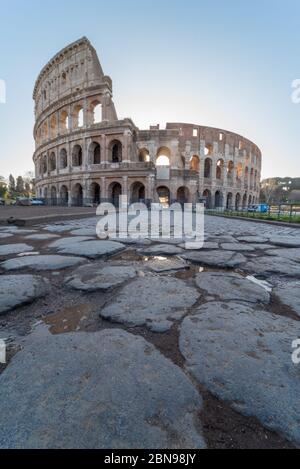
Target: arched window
{"x": 195, "y": 163}
{"x": 163, "y": 157}
{"x": 94, "y": 153}
{"x": 220, "y": 169}
{"x": 63, "y": 158}
{"x": 207, "y": 168}
{"x": 96, "y": 111}
{"x": 230, "y": 170}
{"x": 52, "y": 162}
{"x": 53, "y": 127}
{"x": 64, "y": 121}
{"x": 77, "y": 156}
{"x": 164, "y": 196}
{"x": 116, "y": 151}
{"x": 78, "y": 116}
{"x": 144, "y": 156}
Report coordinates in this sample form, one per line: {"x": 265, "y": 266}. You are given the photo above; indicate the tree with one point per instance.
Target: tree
{"x": 20, "y": 185}
{"x": 3, "y": 188}
{"x": 12, "y": 185}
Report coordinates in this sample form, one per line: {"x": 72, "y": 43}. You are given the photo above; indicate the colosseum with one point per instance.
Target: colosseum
{"x": 85, "y": 154}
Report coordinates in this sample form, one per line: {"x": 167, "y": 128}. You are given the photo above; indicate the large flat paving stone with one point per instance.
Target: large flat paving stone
{"x": 243, "y": 356}
{"x": 237, "y": 247}
{"x": 288, "y": 253}
{"x": 217, "y": 258}
{"x": 289, "y": 295}
{"x": 161, "y": 249}
{"x": 92, "y": 277}
{"x": 286, "y": 241}
{"x": 84, "y": 232}
{"x": 17, "y": 290}
{"x": 231, "y": 286}
{"x": 253, "y": 239}
{"x": 5, "y": 235}
{"x": 9, "y": 249}
{"x": 41, "y": 263}
{"x": 108, "y": 389}
{"x": 41, "y": 237}
{"x": 65, "y": 242}
{"x": 268, "y": 265}
{"x": 166, "y": 264}
{"x": 92, "y": 249}
{"x": 154, "y": 302}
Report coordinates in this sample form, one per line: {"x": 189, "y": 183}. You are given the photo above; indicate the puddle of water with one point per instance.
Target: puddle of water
{"x": 131, "y": 256}
{"x": 68, "y": 319}
{"x": 27, "y": 254}
{"x": 189, "y": 273}
{"x": 261, "y": 283}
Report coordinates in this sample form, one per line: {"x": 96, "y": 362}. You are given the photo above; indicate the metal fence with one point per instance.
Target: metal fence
{"x": 283, "y": 212}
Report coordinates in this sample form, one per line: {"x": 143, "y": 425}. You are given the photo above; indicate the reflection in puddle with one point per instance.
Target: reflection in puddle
{"x": 27, "y": 254}
{"x": 261, "y": 283}
{"x": 190, "y": 272}
{"x": 68, "y": 319}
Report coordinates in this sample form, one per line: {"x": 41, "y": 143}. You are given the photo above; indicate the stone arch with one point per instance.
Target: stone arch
{"x": 78, "y": 116}
{"x": 53, "y": 195}
{"x": 52, "y": 162}
{"x": 183, "y": 195}
{"x": 64, "y": 121}
{"x": 237, "y": 201}
{"x": 208, "y": 168}
{"x": 63, "y": 159}
{"x": 195, "y": 163}
{"x": 220, "y": 169}
{"x": 114, "y": 193}
{"x": 138, "y": 192}
{"x": 77, "y": 195}
{"x": 244, "y": 202}
{"x": 164, "y": 196}
{"x": 230, "y": 170}
{"x": 250, "y": 200}
{"x": 116, "y": 151}
{"x": 77, "y": 156}
{"x": 53, "y": 126}
{"x": 95, "y": 193}
{"x": 229, "y": 202}
{"x": 144, "y": 156}
{"x": 239, "y": 172}
{"x": 64, "y": 195}
{"x": 207, "y": 197}
{"x": 96, "y": 112}
{"x": 218, "y": 199}
{"x": 95, "y": 153}
{"x": 163, "y": 156}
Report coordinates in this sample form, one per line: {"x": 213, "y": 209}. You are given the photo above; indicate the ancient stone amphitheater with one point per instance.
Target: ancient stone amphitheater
{"x": 85, "y": 154}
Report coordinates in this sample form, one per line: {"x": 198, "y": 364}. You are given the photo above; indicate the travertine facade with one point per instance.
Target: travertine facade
{"x": 85, "y": 154}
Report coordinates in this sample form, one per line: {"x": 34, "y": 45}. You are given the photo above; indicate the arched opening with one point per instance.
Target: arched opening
{"x": 64, "y": 195}
{"x": 63, "y": 158}
{"x": 207, "y": 197}
{"x": 246, "y": 175}
{"x": 138, "y": 192}
{"x": 183, "y": 195}
{"x": 195, "y": 163}
{"x": 207, "y": 168}
{"x": 252, "y": 178}
{"x": 115, "y": 192}
{"x": 95, "y": 153}
{"x": 239, "y": 172}
{"x": 53, "y": 196}
{"x": 208, "y": 149}
{"x": 53, "y": 127}
{"x": 116, "y": 151}
{"x": 244, "y": 201}
{"x": 78, "y": 117}
{"x": 163, "y": 157}
{"x": 230, "y": 170}
{"x": 220, "y": 169}
{"x": 95, "y": 193}
{"x": 44, "y": 166}
{"x": 96, "y": 112}
{"x": 78, "y": 195}
{"x": 218, "y": 199}
{"x": 77, "y": 156}
{"x": 64, "y": 121}
{"x": 237, "y": 201}
{"x": 250, "y": 200}
{"x": 164, "y": 196}
{"x": 144, "y": 156}
{"x": 229, "y": 203}
{"x": 52, "y": 162}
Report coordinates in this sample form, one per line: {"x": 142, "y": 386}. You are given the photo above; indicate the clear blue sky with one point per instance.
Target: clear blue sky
{"x": 228, "y": 64}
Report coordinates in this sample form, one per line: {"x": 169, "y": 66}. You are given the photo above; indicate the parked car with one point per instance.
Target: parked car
{"x": 37, "y": 202}
{"x": 2, "y": 202}
{"x": 258, "y": 208}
